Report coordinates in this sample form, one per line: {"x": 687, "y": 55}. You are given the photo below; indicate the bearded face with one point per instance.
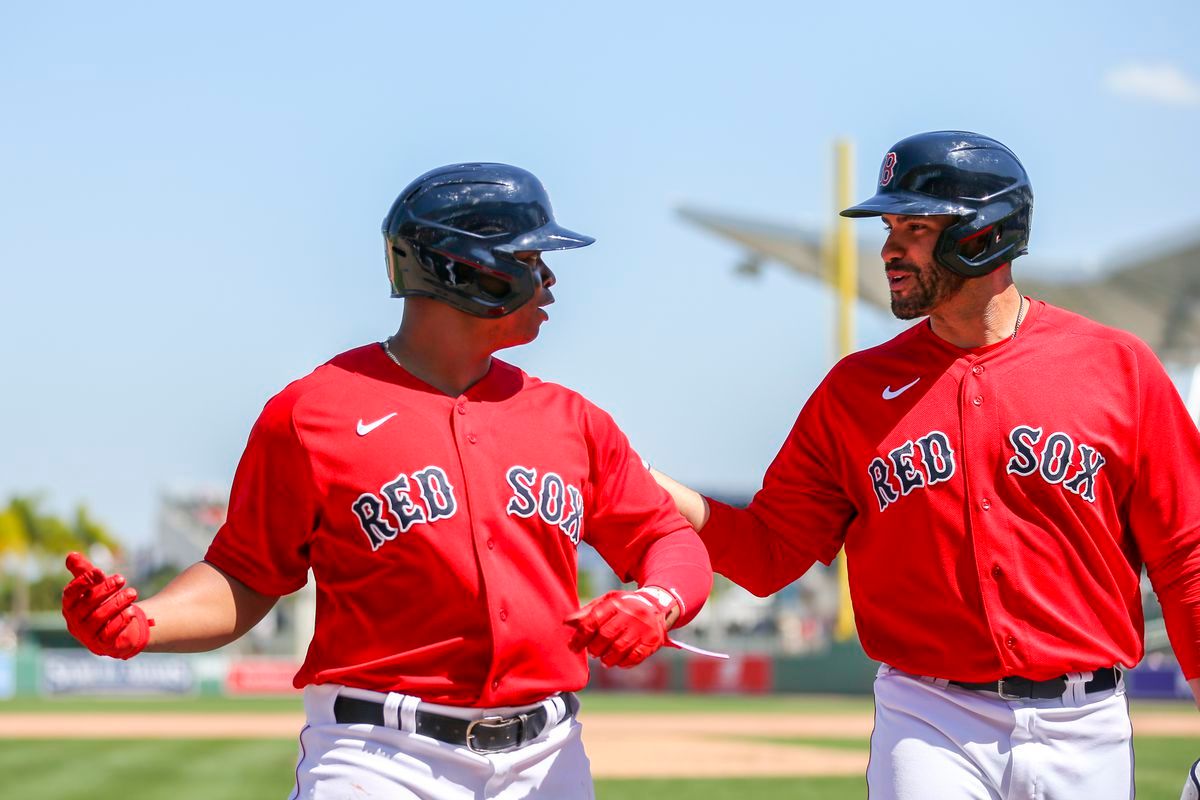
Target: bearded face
{"x": 917, "y": 283}
{"x": 918, "y": 289}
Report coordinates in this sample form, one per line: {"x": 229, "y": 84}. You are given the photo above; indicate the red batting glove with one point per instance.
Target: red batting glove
{"x": 622, "y": 629}
{"x": 100, "y": 613}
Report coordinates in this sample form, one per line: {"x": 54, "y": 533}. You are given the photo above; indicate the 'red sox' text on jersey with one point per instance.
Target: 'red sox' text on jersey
{"x": 443, "y": 531}
{"x": 1028, "y": 481}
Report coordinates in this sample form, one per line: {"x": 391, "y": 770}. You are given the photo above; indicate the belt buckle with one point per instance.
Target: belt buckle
{"x": 1005, "y": 694}
{"x": 491, "y": 722}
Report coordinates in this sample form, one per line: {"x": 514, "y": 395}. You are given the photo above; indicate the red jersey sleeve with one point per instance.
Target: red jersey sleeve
{"x": 628, "y": 510}
{"x": 265, "y": 540}
{"x": 679, "y": 563}
{"x": 799, "y": 516}
{"x": 1164, "y": 506}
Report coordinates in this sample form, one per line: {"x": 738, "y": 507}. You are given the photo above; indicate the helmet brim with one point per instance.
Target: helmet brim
{"x": 911, "y": 204}
{"x": 551, "y": 236}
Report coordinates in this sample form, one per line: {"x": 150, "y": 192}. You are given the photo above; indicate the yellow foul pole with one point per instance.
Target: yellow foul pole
{"x": 845, "y": 281}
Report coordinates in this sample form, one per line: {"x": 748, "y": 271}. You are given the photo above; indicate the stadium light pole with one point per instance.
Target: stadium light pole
{"x": 845, "y": 281}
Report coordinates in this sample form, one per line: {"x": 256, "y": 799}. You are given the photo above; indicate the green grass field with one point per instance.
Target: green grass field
{"x": 236, "y": 769}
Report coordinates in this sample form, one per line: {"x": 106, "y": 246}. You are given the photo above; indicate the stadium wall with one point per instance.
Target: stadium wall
{"x": 842, "y": 669}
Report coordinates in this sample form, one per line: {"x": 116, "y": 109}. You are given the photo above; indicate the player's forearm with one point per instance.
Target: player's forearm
{"x": 690, "y": 503}
{"x": 759, "y": 554}
{"x": 1194, "y": 685}
{"x": 201, "y": 609}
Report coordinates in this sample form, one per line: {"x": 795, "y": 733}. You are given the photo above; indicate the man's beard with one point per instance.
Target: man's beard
{"x": 927, "y": 290}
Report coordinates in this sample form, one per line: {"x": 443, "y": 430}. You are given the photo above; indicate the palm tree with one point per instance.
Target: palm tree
{"x": 32, "y": 541}
{"x": 88, "y": 532}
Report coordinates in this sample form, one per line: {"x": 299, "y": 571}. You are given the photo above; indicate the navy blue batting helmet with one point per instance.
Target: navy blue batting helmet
{"x": 971, "y": 176}
{"x": 453, "y": 235}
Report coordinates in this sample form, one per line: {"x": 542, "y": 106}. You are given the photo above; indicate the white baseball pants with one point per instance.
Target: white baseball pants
{"x": 934, "y": 740}
{"x": 340, "y": 762}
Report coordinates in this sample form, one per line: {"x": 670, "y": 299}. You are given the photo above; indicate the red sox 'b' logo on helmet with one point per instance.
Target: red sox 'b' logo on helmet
{"x": 888, "y": 170}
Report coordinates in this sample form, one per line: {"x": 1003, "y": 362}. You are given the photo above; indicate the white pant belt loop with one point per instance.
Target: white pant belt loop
{"x": 408, "y": 713}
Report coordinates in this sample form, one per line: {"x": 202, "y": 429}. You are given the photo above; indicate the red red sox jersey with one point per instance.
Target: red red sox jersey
{"x": 441, "y": 531}
{"x": 996, "y": 505}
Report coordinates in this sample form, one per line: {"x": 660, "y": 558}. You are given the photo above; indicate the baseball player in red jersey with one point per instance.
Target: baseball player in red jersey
{"x": 998, "y": 475}
{"x": 438, "y": 495}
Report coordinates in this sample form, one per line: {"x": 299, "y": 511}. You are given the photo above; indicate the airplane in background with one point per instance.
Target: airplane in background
{"x": 1155, "y": 296}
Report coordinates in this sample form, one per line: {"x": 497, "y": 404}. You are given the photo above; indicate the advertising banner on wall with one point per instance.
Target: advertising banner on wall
{"x": 742, "y": 673}
{"x": 1157, "y": 678}
{"x": 8, "y": 674}
{"x": 261, "y": 676}
{"x": 80, "y": 672}
{"x": 652, "y": 675}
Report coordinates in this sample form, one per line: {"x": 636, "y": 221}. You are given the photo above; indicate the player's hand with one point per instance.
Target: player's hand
{"x": 1191, "y": 787}
{"x": 622, "y": 629}
{"x": 100, "y": 613}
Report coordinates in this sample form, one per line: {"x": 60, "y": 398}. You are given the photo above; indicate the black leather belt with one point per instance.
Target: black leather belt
{"x": 487, "y": 735}
{"x": 1026, "y": 689}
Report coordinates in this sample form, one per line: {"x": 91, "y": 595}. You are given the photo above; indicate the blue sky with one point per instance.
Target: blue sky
{"x": 191, "y": 197}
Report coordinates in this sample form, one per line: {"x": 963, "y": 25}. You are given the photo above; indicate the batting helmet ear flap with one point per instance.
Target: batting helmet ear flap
{"x": 982, "y": 241}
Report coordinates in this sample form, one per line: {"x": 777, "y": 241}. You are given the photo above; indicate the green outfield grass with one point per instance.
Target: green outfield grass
{"x": 197, "y": 769}
{"x": 236, "y": 769}
{"x": 233, "y": 769}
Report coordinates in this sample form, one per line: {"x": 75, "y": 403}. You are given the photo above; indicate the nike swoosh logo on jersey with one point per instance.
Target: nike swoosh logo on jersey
{"x": 888, "y": 394}
{"x": 364, "y": 429}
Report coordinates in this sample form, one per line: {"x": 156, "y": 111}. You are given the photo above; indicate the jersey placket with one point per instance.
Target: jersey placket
{"x": 465, "y": 424}
{"x": 979, "y": 404}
